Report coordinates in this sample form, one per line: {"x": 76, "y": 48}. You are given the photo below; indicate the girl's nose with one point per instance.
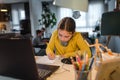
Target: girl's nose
{"x": 62, "y": 39}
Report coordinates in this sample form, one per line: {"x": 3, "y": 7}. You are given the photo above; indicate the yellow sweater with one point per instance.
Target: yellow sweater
{"x": 75, "y": 44}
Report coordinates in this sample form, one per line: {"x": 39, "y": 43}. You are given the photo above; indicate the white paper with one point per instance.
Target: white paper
{"x": 44, "y": 60}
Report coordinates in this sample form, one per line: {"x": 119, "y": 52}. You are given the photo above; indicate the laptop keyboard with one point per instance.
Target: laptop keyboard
{"x": 43, "y": 72}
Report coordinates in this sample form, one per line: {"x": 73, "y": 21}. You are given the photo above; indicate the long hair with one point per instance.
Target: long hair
{"x": 68, "y": 24}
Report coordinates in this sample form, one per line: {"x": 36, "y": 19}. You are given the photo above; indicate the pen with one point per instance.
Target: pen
{"x": 84, "y": 65}
{"x": 84, "y": 61}
{"x": 91, "y": 63}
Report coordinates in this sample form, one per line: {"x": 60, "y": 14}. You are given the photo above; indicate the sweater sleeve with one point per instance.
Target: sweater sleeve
{"x": 83, "y": 46}
{"x": 50, "y": 45}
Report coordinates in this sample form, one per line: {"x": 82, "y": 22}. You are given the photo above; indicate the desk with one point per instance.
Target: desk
{"x": 62, "y": 74}
{"x": 45, "y": 39}
{"x": 41, "y": 45}
{"x": 65, "y": 72}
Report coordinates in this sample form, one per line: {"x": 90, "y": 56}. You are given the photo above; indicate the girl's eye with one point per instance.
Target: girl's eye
{"x": 60, "y": 35}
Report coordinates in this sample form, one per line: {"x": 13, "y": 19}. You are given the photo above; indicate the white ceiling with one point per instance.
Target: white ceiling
{"x": 12, "y": 1}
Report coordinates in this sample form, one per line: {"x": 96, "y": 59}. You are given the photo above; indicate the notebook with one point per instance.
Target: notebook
{"x": 17, "y": 60}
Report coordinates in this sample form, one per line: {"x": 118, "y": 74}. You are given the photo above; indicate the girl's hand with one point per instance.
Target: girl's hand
{"x": 62, "y": 56}
{"x": 51, "y": 56}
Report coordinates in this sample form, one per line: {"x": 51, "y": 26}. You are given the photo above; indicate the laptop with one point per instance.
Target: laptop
{"x": 17, "y": 60}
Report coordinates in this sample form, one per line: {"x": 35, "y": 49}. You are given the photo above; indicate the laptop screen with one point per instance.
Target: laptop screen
{"x": 17, "y": 59}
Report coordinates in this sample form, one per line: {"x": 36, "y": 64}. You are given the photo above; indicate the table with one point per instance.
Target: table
{"x": 65, "y": 72}
{"x": 41, "y": 46}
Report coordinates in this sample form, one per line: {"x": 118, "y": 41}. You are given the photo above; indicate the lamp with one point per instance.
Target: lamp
{"x": 80, "y": 5}
{"x": 3, "y": 8}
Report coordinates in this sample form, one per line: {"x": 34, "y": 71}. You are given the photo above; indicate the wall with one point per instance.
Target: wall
{"x": 35, "y": 11}
{"x": 35, "y": 14}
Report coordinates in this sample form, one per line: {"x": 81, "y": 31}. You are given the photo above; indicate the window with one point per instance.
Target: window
{"x": 87, "y": 20}
{"x": 18, "y": 13}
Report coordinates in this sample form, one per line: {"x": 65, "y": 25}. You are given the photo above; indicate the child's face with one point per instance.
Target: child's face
{"x": 64, "y": 35}
{"x": 40, "y": 34}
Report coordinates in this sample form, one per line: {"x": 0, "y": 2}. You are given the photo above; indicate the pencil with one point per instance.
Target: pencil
{"x": 78, "y": 60}
{"x": 91, "y": 63}
{"x": 74, "y": 63}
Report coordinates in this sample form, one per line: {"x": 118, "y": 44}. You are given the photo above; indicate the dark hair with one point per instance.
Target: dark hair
{"x": 67, "y": 24}
{"x": 43, "y": 29}
{"x": 38, "y": 31}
